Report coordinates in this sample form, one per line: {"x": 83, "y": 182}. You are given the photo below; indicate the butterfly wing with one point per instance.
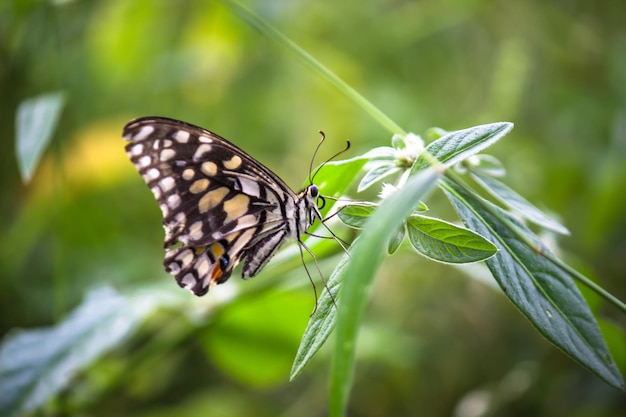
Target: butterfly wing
{"x": 218, "y": 203}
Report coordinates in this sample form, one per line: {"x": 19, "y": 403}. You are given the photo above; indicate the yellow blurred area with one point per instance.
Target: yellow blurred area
{"x": 93, "y": 158}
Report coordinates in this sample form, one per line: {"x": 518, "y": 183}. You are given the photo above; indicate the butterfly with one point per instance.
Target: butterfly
{"x": 220, "y": 206}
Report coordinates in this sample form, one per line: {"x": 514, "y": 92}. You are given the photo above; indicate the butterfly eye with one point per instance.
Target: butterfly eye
{"x": 314, "y": 191}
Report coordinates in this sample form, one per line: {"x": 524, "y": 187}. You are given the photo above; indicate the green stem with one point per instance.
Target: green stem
{"x": 587, "y": 282}
{"x": 317, "y": 67}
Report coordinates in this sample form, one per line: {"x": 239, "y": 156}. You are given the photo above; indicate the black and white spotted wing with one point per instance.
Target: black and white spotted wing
{"x": 220, "y": 206}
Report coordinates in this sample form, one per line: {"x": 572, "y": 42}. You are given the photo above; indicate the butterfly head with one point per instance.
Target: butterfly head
{"x": 313, "y": 202}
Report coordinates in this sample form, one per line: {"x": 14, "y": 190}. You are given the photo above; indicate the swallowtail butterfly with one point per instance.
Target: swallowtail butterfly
{"x": 220, "y": 206}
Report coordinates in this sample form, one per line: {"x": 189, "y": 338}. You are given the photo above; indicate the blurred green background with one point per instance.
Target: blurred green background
{"x": 435, "y": 341}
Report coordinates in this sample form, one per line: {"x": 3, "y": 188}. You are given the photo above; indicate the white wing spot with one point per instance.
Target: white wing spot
{"x": 205, "y": 139}
{"x": 143, "y": 133}
{"x": 207, "y": 281}
{"x": 137, "y": 149}
{"x": 202, "y": 266}
{"x": 173, "y": 268}
{"x": 156, "y": 191}
{"x": 188, "y": 281}
{"x": 233, "y": 163}
{"x": 236, "y": 207}
{"x": 181, "y": 136}
{"x": 153, "y": 174}
{"x": 212, "y": 199}
{"x": 201, "y": 150}
{"x": 144, "y": 161}
{"x": 209, "y": 168}
{"x": 195, "y": 231}
{"x": 188, "y": 174}
{"x": 167, "y": 184}
{"x": 185, "y": 257}
{"x": 167, "y": 154}
{"x": 199, "y": 186}
{"x": 167, "y": 143}
{"x": 247, "y": 221}
{"x": 168, "y": 231}
{"x": 249, "y": 186}
{"x": 173, "y": 201}
{"x": 164, "y": 210}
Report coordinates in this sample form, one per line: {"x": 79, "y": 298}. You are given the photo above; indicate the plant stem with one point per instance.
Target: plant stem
{"x": 317, "y": 67}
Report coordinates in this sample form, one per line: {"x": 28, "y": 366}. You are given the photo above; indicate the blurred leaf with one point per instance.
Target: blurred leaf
{"x": 396, "y": 240}
{"x": 356, "y": 215}
{"x": 35, "y": 365}
{"x": 434, "y": 133}
{"x": 35, "y": 122}
{"x": 253, "y": 340}
{"x": 461, "y": 144}
{"x": 544, "y": 293}
{"x": 366, "y": 256}
{"x": 376, "y": 174}
{"x": 322, "y": 321}
{"x": 518, "y": 203}
{"x": 446, "y": 242}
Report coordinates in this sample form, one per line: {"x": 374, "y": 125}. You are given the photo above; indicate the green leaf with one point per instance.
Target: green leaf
{"x": 35, "y": 122}
{"x": 434, "y": 133}
{"x": 457, "y": 146}
{"x": 544, "y": 293}
{"x": 376, "y": 174}
{"x": 356, "y": 215}
{"x": 322, "y": 321}
{"x": 446, "y": 242}
{"x": 253, "y": 341}
{"x": 37, "y": 364}
{"x": 518, "y": 203}
{"x": 334, "y": 177}
{"x": 367, "y": 254}
{"x": 396, "y": 240}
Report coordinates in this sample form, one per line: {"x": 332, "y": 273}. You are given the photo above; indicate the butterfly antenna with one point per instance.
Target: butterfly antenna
{"x": 319, "y": 271}
{"x": 326, "y": 161}
{"x": 300, "y": 244}
{"x": 317, "y": 148}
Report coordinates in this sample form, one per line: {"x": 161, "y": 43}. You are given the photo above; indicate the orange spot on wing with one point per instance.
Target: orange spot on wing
{"x": 217, "y": 272}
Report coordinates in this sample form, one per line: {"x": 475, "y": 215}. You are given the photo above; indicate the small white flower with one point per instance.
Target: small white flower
{"x": 413, "y": 147}
{"x": 387, "y": 191}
